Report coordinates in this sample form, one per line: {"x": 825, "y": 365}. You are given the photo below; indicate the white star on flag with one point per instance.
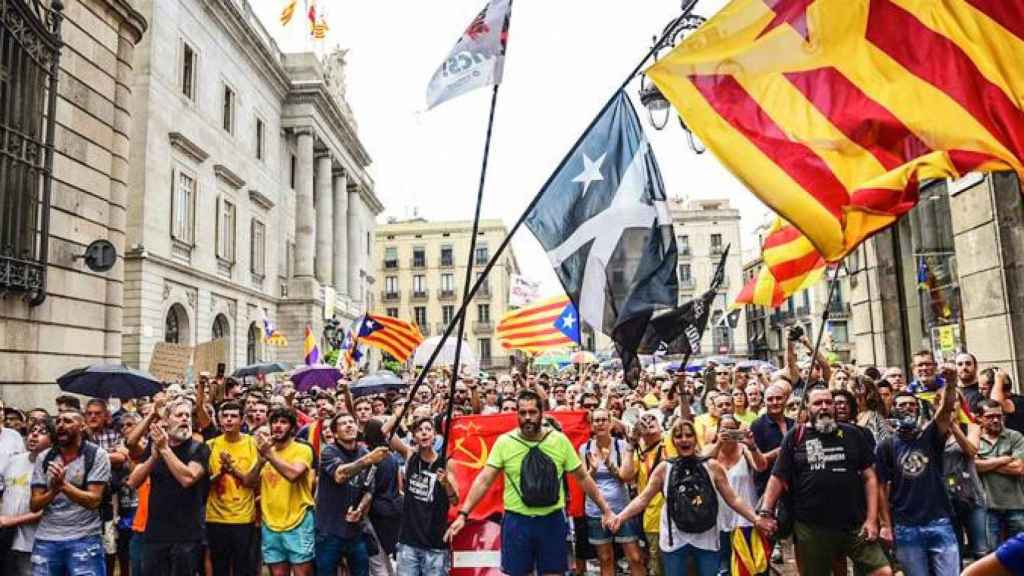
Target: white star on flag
{"x": 591, "y": 171}
{"x": 568, "y": 321}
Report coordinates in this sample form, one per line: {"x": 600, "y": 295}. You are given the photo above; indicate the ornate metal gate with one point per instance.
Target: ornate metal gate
{"x": 30, "y": 45}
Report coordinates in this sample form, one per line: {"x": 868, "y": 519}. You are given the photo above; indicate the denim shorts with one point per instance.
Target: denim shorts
{"x": 78, "y": 556}
{"x": 421, "y": 561}
{"x": 293, "y": 546}
{"x": 597, "y": 534}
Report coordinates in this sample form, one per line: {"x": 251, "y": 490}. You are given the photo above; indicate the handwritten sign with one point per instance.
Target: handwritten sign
{"x": 170, "y": 361}
{"x": 208, "y": 355}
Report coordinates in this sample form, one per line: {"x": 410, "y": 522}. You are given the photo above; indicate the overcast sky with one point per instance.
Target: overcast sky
{"x": 565, "y": 58}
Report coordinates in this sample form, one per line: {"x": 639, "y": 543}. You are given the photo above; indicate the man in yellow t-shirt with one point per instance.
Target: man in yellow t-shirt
{"x": 532, "y": 537}
{"x": 230, "y": 506}
{"x": 651, "y": 451}
{"x": 286, "y": 496}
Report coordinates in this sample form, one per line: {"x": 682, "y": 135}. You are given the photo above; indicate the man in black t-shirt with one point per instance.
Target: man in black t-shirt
{"x": 817, "y": 462}
{"x": 176, "y": 465}
{"x": 911, "y": 482}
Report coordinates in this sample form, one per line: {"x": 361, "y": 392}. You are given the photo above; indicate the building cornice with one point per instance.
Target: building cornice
{"x": 228, "y": 176}
{"x": 257, "y": 198}
{"x": 129, "y": 15}
{"x": 261, "y": 50}
{"x": 188, "y": 147}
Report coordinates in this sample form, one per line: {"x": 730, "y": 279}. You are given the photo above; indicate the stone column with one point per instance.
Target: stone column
{"x": 304, "y": 212}
{"x": 355, "y": 243}
{"x": 340, "y": 230}
{"x": 324, "y": 219}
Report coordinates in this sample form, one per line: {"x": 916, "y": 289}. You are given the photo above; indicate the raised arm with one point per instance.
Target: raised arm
{"x": 203, "y": 418}
{"x": 133, "y": 440}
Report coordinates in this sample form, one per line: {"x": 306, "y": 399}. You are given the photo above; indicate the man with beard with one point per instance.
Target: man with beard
{"x": 231, "y": 503}
{"x": 176, "y": 464}
{"x": 912, "y": 484}
{"x": 67, "y": 486}
{"x": 17, "y": 494}
{"x": 342, "y": 501}
{"x": 816, "y": 462}
{"x": 533, "y": 538}
{"x": 1001, "y": 467}
{"x": 967, "y": 379}
{"x": 286, "y": 496}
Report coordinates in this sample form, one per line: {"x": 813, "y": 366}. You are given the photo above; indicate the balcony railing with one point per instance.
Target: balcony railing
{"x": 686, "y": 284}
{"x": 838, "y": 309}
{"x": 717, "y": 249}
{"x": 390, "y": 264}
{"x": 484, "y": 293}
{"x": 483, "y": 327}
{"x": 391, "y": 297}
{"x": 802, "y": 310}
{"x": 684, "y": 251}
{"x": 424, "y": 328}
{"x": 446, "y": 262}
{"x": 415, "y": 262}
{"x": 443, "y": 294}
{"x": 418, "y": 295}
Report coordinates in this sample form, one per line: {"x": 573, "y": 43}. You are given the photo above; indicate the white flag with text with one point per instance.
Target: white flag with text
{"x": 478, "y": 58}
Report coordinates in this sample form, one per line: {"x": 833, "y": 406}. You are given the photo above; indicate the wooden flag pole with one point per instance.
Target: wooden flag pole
{"x": 529, "y": 208}
{"x": 466, "y": 296}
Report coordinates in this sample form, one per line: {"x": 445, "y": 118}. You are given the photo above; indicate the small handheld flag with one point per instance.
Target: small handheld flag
{"x": 310, "y": 350}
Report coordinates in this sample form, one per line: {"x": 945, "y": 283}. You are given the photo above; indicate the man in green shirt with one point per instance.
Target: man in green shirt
{"x": 1001, "y": 467}
{"x": 532, "y": 538}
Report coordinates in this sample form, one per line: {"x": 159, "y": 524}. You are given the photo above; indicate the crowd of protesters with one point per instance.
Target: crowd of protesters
{"x": 840, "y": 467}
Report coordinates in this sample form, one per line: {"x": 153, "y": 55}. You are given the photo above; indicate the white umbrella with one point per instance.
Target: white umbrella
{"x": 447, "y": 355}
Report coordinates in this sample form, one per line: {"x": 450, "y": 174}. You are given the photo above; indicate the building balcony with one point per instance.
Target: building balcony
{"x": 417, "y": 263}
{"x": 391, "y": 297}
{"x": 446, "y": 262}
{"x": 483, "y": 327}
{"x": 684, "y": 251}
{"x": 838, "y": 309}
{"x": 723, "y": 347}
{"x": 443, "y": 294}
{"x": 484, "y": 293}
{"x": 418, "y": 295}
{"x": 391, "y": 264}
{"x": 440, "y": 327}
{"x": 686, "y": 284}
{"x": 424, "y": 328}
{"x": 803, "y": 311}
{"x": 717, "y": 249}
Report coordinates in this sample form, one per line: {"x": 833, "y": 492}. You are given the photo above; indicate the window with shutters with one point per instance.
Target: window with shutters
{"x": 189, "y": 71}
{"x": 226, "y": 231}
{"x": 30, "y": 39}
{"x": 228, "y": 112}
{"x": 183, "y": 206}
{"x": 258, "y": 251}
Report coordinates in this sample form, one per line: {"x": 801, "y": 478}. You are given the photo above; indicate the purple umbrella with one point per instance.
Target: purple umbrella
{"x": 319, "y": 375}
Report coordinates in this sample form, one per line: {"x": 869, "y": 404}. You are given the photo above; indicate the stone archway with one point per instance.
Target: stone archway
{"x": 177, "y": 327}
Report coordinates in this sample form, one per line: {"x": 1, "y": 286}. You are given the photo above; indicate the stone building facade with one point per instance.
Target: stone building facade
{"x": 948, "y": 277}
{"x": 55, "y": 313}
{"x": 704, "y": 228}
{"x": 250, "y": 197}
{"x": 423, "y": 269}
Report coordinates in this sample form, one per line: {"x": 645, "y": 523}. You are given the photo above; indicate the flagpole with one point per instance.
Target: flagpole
{"x": 824, "y": 318}
{"x": 456, "y": 366}
{"x": 533, "y": 204}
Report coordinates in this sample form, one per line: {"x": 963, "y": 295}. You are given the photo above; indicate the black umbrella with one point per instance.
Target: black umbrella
{"x": 261, "y": 369}
{"x": 377, "y": 383}
{"x": 110, "y": 381}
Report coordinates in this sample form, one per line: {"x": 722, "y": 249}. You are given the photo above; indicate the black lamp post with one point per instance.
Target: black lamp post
{"x": 658, "y": 107}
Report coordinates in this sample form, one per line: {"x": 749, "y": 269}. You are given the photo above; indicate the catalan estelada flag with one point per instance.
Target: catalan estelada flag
{"x": 396, "y": 337}
{"x": 543, "y": 325}
{"x": 310, "y": 351}
{"x": 832, "y": 111}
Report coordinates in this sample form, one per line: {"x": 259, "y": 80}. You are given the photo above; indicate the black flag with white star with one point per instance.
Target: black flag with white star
{"x": 605, "y": 225}
{"x": 682, "y": 328}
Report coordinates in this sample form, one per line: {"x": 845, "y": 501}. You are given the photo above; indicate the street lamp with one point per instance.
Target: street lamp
{"x": 334, "y": 334}
{"x": 658, "y": 108}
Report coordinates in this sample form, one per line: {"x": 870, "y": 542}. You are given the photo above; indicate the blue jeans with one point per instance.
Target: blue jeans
{"x": 330, "y": 549}
{"x": 413, "y": 561}
{"x": 725, "y": 552}
{"x": 705, "y": 560}
{"x": 999, "y": 521}
{"x": 977, "y": 532}
{"x": 58, "y": 558}
{"x": 928, "y": 549}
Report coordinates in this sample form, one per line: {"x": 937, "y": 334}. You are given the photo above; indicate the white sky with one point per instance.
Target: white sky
{"x": 565, "y": 58}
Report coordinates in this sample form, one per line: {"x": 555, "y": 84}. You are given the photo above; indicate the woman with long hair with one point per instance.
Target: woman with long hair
{"x": 871, "y": 412}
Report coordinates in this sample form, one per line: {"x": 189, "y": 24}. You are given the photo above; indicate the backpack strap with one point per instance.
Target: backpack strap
{"x": 89, "y": 452}
{"x": 670, "y": 498}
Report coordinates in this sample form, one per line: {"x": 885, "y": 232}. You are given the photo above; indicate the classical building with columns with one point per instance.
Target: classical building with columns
{"x": 249, "y": 196}
{"x": 65, "y": 85}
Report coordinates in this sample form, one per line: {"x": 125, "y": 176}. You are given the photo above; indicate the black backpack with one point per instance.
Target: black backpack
{"x": 539, "y": 486}
{"x": 89, "y": 454}
{"x": 692, "y": 500}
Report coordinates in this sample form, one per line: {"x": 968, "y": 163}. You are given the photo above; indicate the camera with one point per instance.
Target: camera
{"x": 796, "y": 333}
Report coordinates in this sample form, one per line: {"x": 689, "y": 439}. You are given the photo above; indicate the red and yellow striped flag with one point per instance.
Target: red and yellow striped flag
{"x": 832, "y": 111}
{"x": 543, "y": 325}
{"x": 396, "y": 337}
{"x": 791, "y": 264}
{"x": 288, "y": 12}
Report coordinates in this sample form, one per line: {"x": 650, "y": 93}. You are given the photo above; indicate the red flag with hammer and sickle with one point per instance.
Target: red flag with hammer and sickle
{"x": 469, "y": 445}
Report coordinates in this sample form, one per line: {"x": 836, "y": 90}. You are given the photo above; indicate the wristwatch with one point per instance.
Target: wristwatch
{"x": 765, "y": 513}
{"x": 464, "y": 514}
